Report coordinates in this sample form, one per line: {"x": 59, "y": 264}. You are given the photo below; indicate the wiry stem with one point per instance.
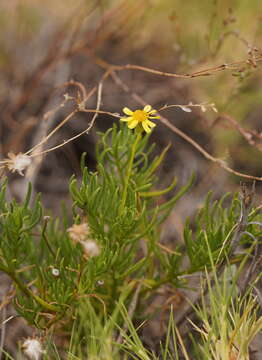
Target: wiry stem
{"x": 128, "y": 173}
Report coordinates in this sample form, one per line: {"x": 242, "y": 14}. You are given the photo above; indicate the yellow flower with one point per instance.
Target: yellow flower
{"x": 140, "y": 118}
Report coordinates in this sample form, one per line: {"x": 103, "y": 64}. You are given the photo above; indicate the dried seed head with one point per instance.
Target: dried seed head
{"x": 32, "y": 348}
{"x": 78, "y": 232}
{"x": 91, "y": 248}
{"x": 18, "y": 162}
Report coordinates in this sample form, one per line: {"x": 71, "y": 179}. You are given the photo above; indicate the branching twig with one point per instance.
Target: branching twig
{"x": 184, "y": 136}
{"x": 86, "y": 131}
{"x": 247, "y": 134}
{"x": 205, "y": 72}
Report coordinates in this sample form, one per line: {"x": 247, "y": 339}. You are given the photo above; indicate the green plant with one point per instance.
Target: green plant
{"x": 228, "y": 320}
{"x": 47, "y": 259}
{"x": 64, "y": 274}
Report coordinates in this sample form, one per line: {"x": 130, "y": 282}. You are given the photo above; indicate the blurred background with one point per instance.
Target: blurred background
{"x": 46, "y": 44}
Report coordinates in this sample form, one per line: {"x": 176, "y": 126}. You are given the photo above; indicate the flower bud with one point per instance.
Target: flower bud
{"x": 55, "y": 272}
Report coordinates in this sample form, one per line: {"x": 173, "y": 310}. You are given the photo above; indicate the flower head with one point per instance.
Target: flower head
{"x": 90, "y": 248}
{"x": 18, "y": 162}
{"x": 78, "y": 232}
{"x": 140, "y": 118}
{"x": 32, "y": 347}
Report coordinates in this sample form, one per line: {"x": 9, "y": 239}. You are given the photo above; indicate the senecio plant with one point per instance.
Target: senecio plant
{"x": 108, "y": 244}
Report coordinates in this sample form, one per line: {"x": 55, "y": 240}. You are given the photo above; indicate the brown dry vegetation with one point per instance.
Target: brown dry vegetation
{"x": 202, "y": 51}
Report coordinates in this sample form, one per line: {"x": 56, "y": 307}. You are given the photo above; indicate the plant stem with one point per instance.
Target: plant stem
{"x": 128, "y": 173}
{"x": 44, "y": 237}
{"x": 28, "y": 292}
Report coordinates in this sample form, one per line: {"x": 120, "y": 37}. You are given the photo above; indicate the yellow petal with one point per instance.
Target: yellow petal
{"x": 129, "y": 118}
{"x": 147, "y": 108}
{"x": 154, "y": 117}
{"x": 146, "y": 127}
{"x": 152, "y": 112}
{"x": 127, "y": 111}
{"x": 150, "y": 123}
{"x": 132, "y": 124}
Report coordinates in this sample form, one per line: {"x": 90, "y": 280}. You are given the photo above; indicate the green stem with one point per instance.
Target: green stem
{"x": 44, "y": 237}
{"x": 129, "y": 171}
{"x": 28, "y": 292}
{"x": 157, "y": 284}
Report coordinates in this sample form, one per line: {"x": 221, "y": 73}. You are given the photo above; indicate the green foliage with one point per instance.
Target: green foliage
{"x": 229, "y": 320}
{"x": 215, "y": 225}
{"x": 59, "y": 283}
{"x": 51, "y": 271}
{"x": 214, "y": 228}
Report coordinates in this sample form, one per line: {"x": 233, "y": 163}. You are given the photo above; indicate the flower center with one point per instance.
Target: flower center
{"x": 140, "y": 115}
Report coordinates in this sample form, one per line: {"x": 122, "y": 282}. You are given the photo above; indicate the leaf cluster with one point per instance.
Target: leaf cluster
{"x": 120, "y": 204}
{"x": 51, "y": 272}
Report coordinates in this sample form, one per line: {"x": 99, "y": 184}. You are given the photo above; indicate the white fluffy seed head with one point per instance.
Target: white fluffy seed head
{"x": 18, "y": 162}
{"x": 78, "y": 232}
{"x": 91, "y": 248}
{"x": 33, "y": 349}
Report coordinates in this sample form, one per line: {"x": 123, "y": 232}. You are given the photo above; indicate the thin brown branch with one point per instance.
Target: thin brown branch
{"x": 86, "y": 131}
{"x": 248, "y": 135}
{"x": 183, "y": 135}
{"x": 237, "y": 65}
